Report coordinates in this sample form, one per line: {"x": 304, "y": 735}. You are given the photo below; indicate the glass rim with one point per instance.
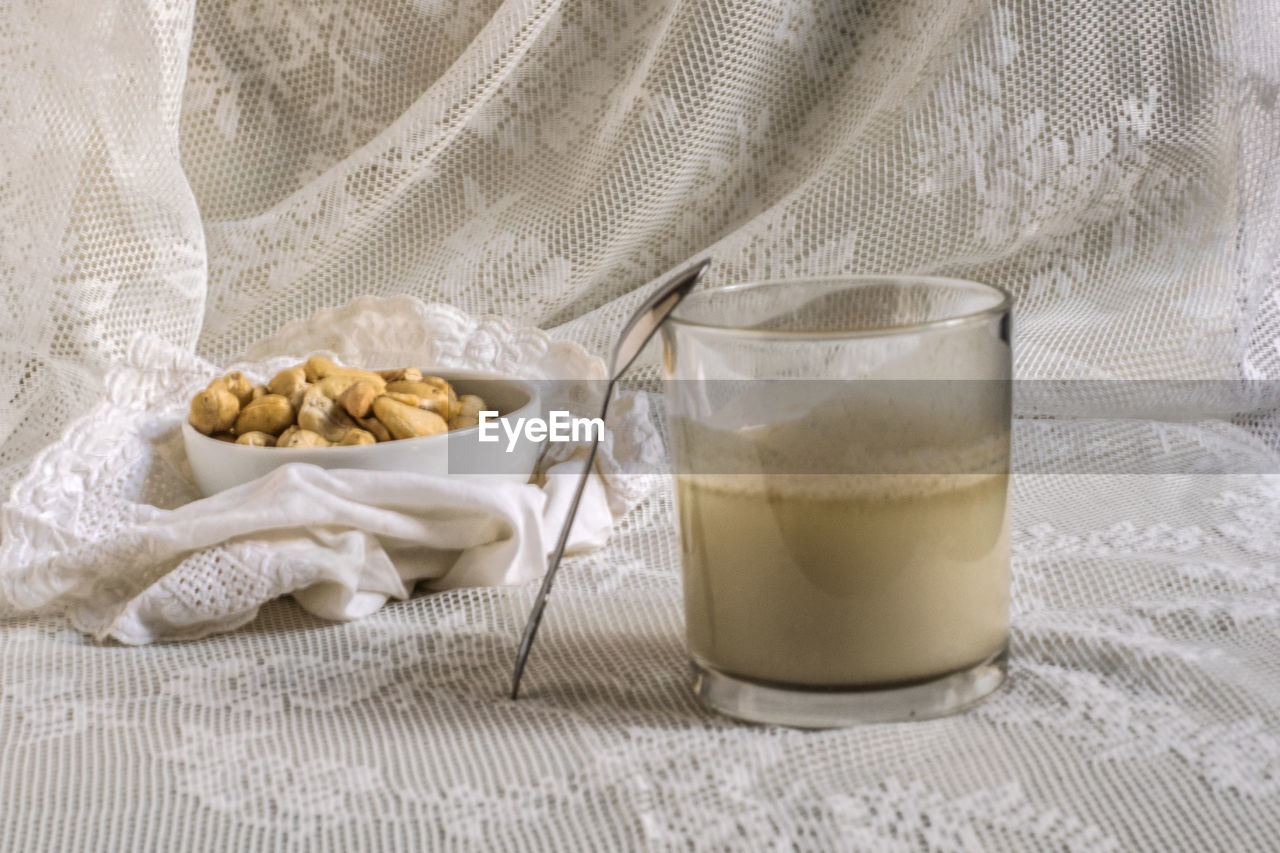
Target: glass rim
{"x": 1001, "y": 306}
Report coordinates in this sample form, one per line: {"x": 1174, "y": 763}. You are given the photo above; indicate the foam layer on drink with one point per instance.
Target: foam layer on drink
{"x": 844, "y": 463}
{"x": 835, "y": 487}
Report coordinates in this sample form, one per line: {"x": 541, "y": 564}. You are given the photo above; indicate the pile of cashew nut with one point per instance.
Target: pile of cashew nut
{"x": 322, "y": 404}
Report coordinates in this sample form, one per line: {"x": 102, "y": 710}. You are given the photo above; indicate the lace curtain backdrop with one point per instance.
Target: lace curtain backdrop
{"x": 208, "y": 172}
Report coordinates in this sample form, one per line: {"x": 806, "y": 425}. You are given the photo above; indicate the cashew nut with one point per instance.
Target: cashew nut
{"x": 334, "y": 386}
{"x": 287, "y": 381}
{"x": 318, "y": 367}
{"x": 314, "y": 365}
{"x": 214, "y": 409}
{"x": 358, "y": 398}
{"x": 299, "y": 394}
{"x": 321, "y": 414}
{"x": 302, "y": 438}
{"x": 238, "y": 384}
{"x": 283, "y": 439}
{"x": 270, "y": 414}
{"x": 410, "y": 400}
{"x": 410, "y": 374}
{"x": 375, "y": 428}
{"x": 433, "y": 391}
{"x": 467, "y": 413}
{"x": 404, "y": 421}
{"x": 358, "y": 436}
{"x": 470, "y": 405}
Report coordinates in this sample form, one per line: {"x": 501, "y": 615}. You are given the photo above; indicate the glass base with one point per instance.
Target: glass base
{"x": 823, "y": 709}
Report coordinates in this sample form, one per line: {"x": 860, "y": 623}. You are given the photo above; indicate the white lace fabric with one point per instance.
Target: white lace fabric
{"x": 227, "y": 176}
{"x": 108, "y": 525}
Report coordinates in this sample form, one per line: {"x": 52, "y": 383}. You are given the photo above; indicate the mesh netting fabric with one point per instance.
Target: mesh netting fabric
{"x": 209, "y": 171}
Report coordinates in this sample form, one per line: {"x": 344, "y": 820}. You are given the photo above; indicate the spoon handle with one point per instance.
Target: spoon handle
{"x": 635, "y": 335}
{"x": 540, "y": 603}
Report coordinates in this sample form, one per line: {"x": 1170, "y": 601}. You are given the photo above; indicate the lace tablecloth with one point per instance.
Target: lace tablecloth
{"x": 210, "y": 171}
{"x": 1141, "y": 712}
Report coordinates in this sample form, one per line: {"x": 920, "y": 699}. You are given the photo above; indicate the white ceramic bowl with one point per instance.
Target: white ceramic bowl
{"x": 220, "y": 465}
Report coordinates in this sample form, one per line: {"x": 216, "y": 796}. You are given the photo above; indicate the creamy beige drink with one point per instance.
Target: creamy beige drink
{"x": 844, "y": 580}
{"x": 894, "y": 569}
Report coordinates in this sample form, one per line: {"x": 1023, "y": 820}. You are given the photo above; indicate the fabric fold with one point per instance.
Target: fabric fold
{"x": 108, "y": 527}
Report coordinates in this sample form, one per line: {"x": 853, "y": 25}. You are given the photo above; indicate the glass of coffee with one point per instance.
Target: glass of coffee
{"x": 841, "y": 452}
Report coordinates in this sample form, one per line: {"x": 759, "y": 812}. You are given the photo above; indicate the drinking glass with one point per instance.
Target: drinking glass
{"x": 841, "y": 453}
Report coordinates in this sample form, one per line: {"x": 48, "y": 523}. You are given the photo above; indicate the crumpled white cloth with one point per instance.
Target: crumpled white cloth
{"x": 109, "y": 527}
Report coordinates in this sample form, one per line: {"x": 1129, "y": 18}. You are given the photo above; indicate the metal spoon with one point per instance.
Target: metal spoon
{"x": 634, "y": 336}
